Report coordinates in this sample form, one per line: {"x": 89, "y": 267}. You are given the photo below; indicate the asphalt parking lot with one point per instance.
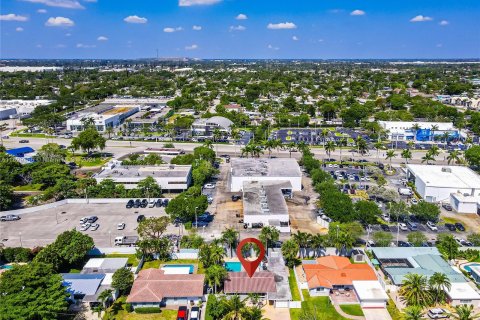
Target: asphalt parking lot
{"x": 41, "y": 228}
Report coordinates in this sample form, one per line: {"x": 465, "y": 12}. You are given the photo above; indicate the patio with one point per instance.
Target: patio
{"x": 343, "y": 297}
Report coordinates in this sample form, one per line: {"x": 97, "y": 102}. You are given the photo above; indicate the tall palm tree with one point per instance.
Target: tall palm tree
{"x": 215, "y": 275}
{"x": 253, "y": 313}
{"x": 362, "y": 146}
{"x": 229, "y": 237}
{"x": 269, "y": 234}
{"x": 415, "y": 129}
{"x": 389, "y": 156}
{"x": 217, "y": 254}
{"x": 324, "y": 134}
{"x": 208, "y": 144}
{"x": 414, "y": 290}
{"x": 407, "y": 155}
{"x": 303, "y": 239}
{"x": 269, "y": 145}
{"x": 290, "y": 251}
{"x": 413, "y": 313}
{"x": 109, "y": 130}
{"x": 434, "y": 128}
{"x": 378, "y": 145}
{"x": 104, "y": 296}
{"x": 428, "y": 157}
{"x": 434, "y": 150}
{"x": 317, "y": 241}
{"x": 216, "y": 134}
{"x": 342, "y": 142}
{"x": 454, "y": 156}
{"x": 464, "y": 312}
{"x": 446, "y": 136}
{"x": 235, "y": 305}
{"x": 345, "y": 242}
{"x": 329, "y": 148}
{"x": 291, "y": 146}
{"x": 439, "y": 283}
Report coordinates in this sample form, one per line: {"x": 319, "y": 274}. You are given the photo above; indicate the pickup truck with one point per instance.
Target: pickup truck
{"x": 10, "y": 217}
{"x": 126, "y": 241}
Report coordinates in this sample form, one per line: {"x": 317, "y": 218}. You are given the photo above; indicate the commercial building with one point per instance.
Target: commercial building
{"x": 419, "y": 131}
{"x": 437, "y": 183}
{"x": 464, "y": 203}
{"x": 206, "y": 127}
{"x": 171, "y": 178}
{"x": 7, "y": 112}
{"x": 154, "y": 288}
{"x": 23, "y": 155}
{"x": 20, "y": 108}
{"x": 263, "y": 170}
{"x": 127, "y": 100}
{"x": 103, "y": 116}
{"x": 264, "y": 202}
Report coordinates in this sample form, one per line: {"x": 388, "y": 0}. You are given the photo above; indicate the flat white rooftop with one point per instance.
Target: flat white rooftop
{"x": 369, "y": 290}
{"x": 141, "y": 172}
{"x": 462, "y": 291}
{"x": 264, "y": 167}
{"x": 446, "y": 176}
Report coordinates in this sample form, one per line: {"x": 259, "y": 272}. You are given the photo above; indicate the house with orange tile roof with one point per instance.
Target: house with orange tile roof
{"x": 328, "y": 273}
{"x": 153, "y": 288}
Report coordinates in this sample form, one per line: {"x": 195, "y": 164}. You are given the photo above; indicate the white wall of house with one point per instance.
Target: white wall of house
{"x": 236, "y": 183}
{"x": 319, "y": 292}
{"x": 249, "y": 219}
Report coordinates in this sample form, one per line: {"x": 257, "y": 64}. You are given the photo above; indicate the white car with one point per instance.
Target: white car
{"x": 209, "y": 186}
{"x": 402, "y": 226}
{"x": 414, "y": 201}
{"x": 94, "y": 226}
{"x": 83, "y": 220}
{"x": 121, "y": 226}
{"x": 85, "y": 226}
{"x": 151, "y": 204}
{"x": 432, "y": 226}
{"x": 386, "y": 217}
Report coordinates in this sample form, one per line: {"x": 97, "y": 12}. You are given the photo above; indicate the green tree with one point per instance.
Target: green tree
{"x": 389, "y": 156}
{"x": 407, "y": 155}
{"x": 414, "y": 290}
{"x": 454, "y": 156}
{"x": 290, "y": 250}
{"x": 367, "y": 212}
{"x": 425, "y": 211}
{"x": 236, "y": 306}
{"x": 382, "y": 238}
{"x": 230, "y": 237}
{"x": 211, "y": 254}
{"x": 153, "y": 227}
{"x": 464, "y": 312}
{"x": 474, "y": 238}
{"x": 89, "y": 140}
{"x": 329, "y": 148}
{"x": 122, "y": 280}
{"x": 447, "y": 246}
{"x": 439, "y": 283}
{"x": 413, "y": 313}
{"x": 215, "y": 275}
{"x": 32, "y": 292}
{"x": 49, "y": 174}
{"x": 51, "y": 152}
{"x": 186, "y": 204}
{"x": 149, "y": 187}
{"x": 268, "y": 235}
{"x": 416, "y": 238}
{"x": 472, "y": 155}
{"x": 6, "y": 196}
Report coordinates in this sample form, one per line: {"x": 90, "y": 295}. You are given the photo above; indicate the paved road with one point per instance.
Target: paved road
{"x": 121, "y": 148}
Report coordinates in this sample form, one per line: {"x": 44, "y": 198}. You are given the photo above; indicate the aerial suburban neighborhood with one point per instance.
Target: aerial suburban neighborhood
{"x": 255, "y": 187}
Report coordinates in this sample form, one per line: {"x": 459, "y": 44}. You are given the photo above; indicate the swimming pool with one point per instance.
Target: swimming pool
{"x": 468, "y": 267}
{"x": 6, "y": 266}
{"x": 183, "y": 266}
{"x": 233, "y": 266}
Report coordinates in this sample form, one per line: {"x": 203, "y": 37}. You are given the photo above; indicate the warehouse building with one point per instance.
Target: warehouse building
{"x": 264, "y": 170}
{"x": 437, "y": 183}
{"x": 171, "y": 178}
{"x": 206, "y": 127}
{"x": 419, "y": 131}
{"x": 103, "y": 116}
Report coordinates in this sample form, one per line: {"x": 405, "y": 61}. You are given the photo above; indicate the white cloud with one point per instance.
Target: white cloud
{"x": 357, "y": 13}
{"x": 192, "y": 47}
{"x": 444, "y": 23}
{"x": 272, "y": 47}
{"x": 42, "y": 11}
{"x": 68, "y": 4}
{"x": 102, "y": 38}
{"x": 189, "y": 3}
{"x": 85, "y": 46}
{"x": 135, "y": 19}
{"x": 241, "y": 16}
{"x": 170, "y": 30}
{"x": 421, "y": 18}
{"x": 197, "y": 28}
{"x": 295, "y": 38}
{"x": 237, "y": 28}
{"x": 281, "y": 25}
{"x": 13, "y": 17}
{"x": 19, "y": 29}
{"x": 59, "y": 22}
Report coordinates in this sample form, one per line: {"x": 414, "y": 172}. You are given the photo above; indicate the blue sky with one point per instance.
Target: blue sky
{"x": 324, "y": 29}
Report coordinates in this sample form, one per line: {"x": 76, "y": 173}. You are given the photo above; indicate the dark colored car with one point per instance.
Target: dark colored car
{"x": 24, "y": 141}
{"x": 206, "y": 217}
{"x": 130, "y": 204}
{"x": 137, "y": 203}
{"x": 459, "y": 226}
{"x": 159, "y": 203}
{"x": 385, "y": 227}
{"x": 447, "y": 207}
{"x": 144, "y": 203}
{"x": 450, "y": 227}
{"x": 403, "y": 244}
{"x": 200, "y": 224}
{"x": 140, "y": 218}
{"x": 165, "y": 202}
{"x": 182, "y": 313}
{"x": 236, "y": 198}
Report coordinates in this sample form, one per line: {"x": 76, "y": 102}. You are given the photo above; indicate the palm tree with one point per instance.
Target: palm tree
{"x": 208, "y": 144}
{"x": 269, "y": 145}
{"x": 109, "y": 130}
{"x": 464, "y": 312}
{"x": 253, "y": 313}
{"x": 362, "y": 146}
{"x": 445, "y": 136}
{"x": 105, "y": 296}
{"x": 317, "y": 241}
{"x": 434, "y": 128}
{"x": 428, "y": 157}
{"x": 3, "y": 127}
{"x": 407, "y": 155}
{"x": 389, "y": 156}
{"x": 290, "y": 250}
{"x": 229, "y": 237}
{"x": 434, "y": 150}
{"x": 415, "y": 128}
{"x": 217, "y": 254}
{"x": 454, "y": 156}
{"x": 414, "y": 290}
{"x": 216, "y": 134}
{"x": 302, "y": 239}
{"x": 439, "y": 283}
{"x": 269, "y": 234}
{"x": 246, "y": 150}
{"x": 341, "y": 143}
{"x": 215, "y": 275}
{"x": 324, "y": 135}
{"x": 378, "y": 145}
{"x": 344, "y": 242}
{"x": 413, "y": 313}
{"x": 235, "y": 305}
{"x": 329, "y": 148}
{"x": 291, "y": 146}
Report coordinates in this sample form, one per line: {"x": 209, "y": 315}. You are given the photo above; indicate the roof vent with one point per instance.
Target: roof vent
{"x": 446, "y": 169}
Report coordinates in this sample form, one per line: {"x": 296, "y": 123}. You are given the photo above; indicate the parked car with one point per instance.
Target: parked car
{"x": 450, "y": 227}
{"x": 85, "y": 226}
{"x": 24, "y": 141}
{"x": 459, "y": 226}
{"x": 404, "y": 244}
{"x": 412, "y": 226}
{"x": 386, "y": 217}
{"x": 144, "y": 203}
{"x": 121, "y": 226}
{"x": 209, "y": 199}
{"x": 236, "y": 198}
{"x": 137, "y": 203}
{"x": 206, "y": 217}
{"x": 182, "y": 313}
{"x": 432, "y": 226}
{"x": 151, "y": 204}
{"x": 385, "y": 227}
{"x": 94, "y": 226}
{"x": 209, "y": 186}
{"x": 130, "y": 204}
{"x": 403, "y": 226}
{"x": 159, "y": 203}
{"x": 195, "y": 313}
{"x": 9, "y": 217}
{"x": 437, "y": 313}
{"x": 447, "y": 206}
{"x": 414, "y": 201}
{"x": 92, "y": 219}
{"x": 140, "y": 218}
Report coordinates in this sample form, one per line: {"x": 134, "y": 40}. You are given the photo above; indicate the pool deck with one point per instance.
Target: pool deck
{"x": 195, "y": 266}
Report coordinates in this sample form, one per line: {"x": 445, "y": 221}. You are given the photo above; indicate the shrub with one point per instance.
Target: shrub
{"x": 17, "y": 254}
{"x": 128, "y": 307}
{"x": 147, "y": 310}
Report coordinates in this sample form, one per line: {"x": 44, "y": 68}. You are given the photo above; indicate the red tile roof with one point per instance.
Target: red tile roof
{"x": 333, "y": 270}
{"x": 240, "y": 282}
{"x": 152, "y": 285}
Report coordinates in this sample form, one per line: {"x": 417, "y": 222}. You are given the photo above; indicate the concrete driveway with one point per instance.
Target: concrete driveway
{"x": 376, "y": 314}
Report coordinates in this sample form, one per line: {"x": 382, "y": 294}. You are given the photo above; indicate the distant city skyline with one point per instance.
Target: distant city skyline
{"x": 239, "y": 29}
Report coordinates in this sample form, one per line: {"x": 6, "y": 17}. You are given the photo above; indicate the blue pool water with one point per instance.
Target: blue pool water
{"x": 6, "y": 266}
{"x": 233, "y": 266}
{"x": 469, "y": 269}
{"x": 180, "y": 266}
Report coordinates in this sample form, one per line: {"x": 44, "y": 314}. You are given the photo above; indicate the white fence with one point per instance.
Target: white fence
{"x": 288, "y": 304}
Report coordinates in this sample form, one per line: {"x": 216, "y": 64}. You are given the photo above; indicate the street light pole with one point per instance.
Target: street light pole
{"x": 20, "y": 235}
{"x": 196, "y": 218}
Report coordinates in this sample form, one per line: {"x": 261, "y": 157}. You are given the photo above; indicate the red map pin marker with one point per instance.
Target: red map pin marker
{"x": 250, "y": 266}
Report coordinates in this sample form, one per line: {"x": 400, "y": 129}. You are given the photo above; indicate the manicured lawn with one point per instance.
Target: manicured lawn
{"x": 29, "y": 187}
{"x": 117, "y": 311}
{"x": 293, "y": 286}
{"x": 352, "y": 309}
{"x": 319, "y": 305}
{"x": 156, "y": 264}
{"x": 82, "y": 161}
{"x": 23, "y": 134}
{"x": 132, "y": 259}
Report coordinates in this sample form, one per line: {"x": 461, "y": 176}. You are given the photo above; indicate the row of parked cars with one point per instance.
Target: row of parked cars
{"x": 88, "y": 223}
{"x": 202, "y": 220}
{"x": 182, "y": 313}
{"x": 137, "y": 203}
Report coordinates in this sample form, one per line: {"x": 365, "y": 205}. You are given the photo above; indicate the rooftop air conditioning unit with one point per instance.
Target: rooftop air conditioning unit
{"x": 445, "y": 169}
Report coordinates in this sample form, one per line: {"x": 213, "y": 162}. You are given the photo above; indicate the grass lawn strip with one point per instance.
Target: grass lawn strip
{"x": 352, "y": 309}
